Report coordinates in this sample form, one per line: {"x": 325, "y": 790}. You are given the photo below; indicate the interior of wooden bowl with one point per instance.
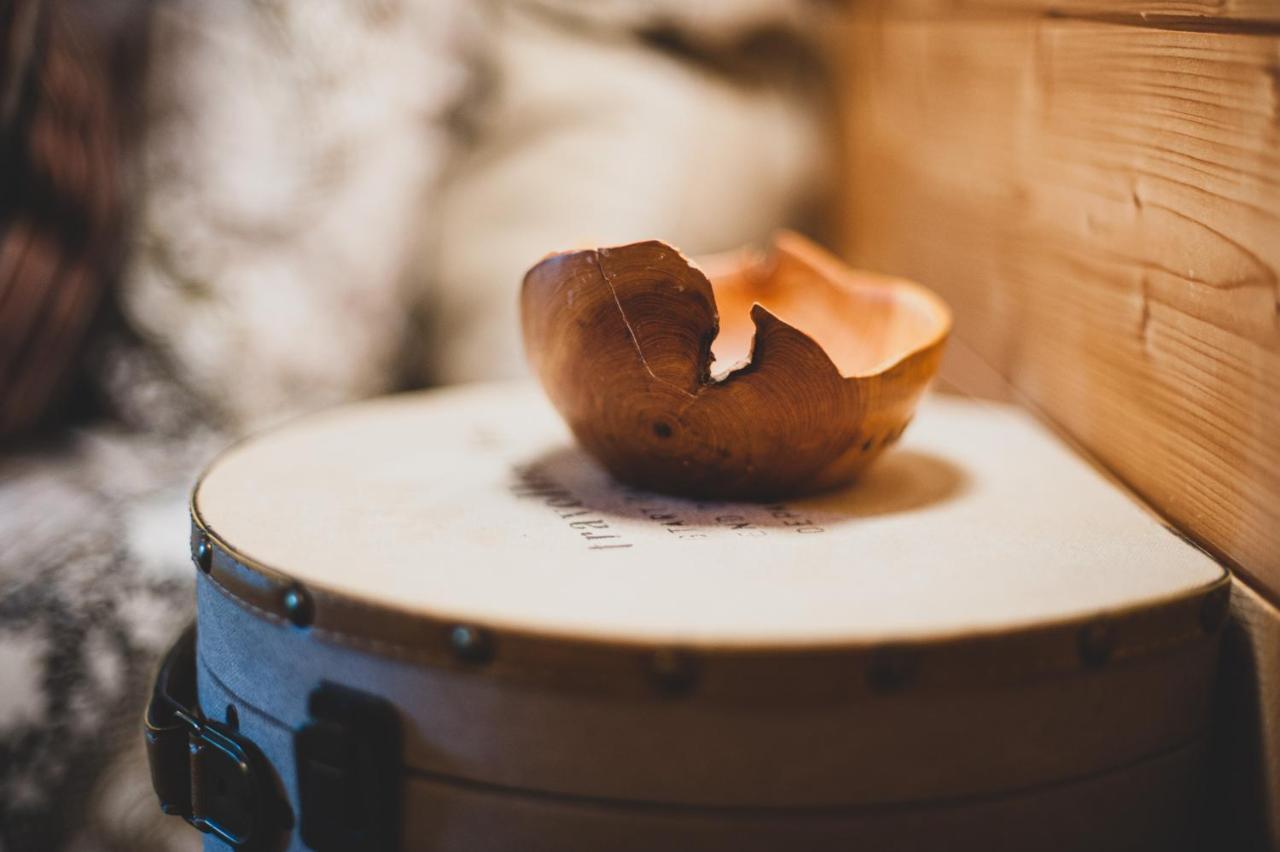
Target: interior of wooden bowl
{"x": 866, "y": 323}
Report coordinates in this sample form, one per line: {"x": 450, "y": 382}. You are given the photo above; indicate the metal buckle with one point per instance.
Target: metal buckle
{"x": 204, "y": 771}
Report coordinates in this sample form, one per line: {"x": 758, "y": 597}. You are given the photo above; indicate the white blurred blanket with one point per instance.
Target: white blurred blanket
{"x": 337, "y": 198}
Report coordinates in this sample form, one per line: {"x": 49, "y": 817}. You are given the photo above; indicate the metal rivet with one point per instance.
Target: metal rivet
{"x": 1214, "y": 608}
{"x": 674, "y": 672}
{"x": 1095, "y": 644}
{"x": 891, "y": 669}
{"x": 203, "y": 554}
{"x": 297, "y": 606}
{"x": 470, "y": 644}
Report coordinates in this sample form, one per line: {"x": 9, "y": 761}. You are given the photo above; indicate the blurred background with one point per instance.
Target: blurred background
{"x": 217, "y": 215}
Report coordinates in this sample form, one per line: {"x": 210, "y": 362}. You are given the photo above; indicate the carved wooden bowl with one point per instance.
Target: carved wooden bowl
{"x": 765, "y": 377}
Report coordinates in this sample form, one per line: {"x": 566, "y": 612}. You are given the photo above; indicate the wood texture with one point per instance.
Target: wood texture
{"x": 1100, "y": 204}
{"x": 1170, "y": 14}
{"x": 823, "y": 366}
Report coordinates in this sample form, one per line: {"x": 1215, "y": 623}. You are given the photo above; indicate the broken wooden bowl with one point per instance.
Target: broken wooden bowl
{"x": 663, "y": 378}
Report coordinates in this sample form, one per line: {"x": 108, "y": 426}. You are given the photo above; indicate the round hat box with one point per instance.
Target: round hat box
{"x": 982, "y": 645}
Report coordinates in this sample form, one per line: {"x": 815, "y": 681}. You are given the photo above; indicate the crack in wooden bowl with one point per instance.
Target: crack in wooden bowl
{"x": 768, "y": 376}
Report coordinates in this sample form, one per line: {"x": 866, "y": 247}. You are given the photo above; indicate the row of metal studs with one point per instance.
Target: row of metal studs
{"x": 675, "y": 671}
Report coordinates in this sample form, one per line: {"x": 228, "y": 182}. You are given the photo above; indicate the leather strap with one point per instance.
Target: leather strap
{"x": 204, "y": 771}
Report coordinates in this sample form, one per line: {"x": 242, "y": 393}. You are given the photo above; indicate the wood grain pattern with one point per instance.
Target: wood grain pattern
{"x": 824, "y": 365}
{"x": 1173, "y": 14}
{"x": 1100, "y": 204}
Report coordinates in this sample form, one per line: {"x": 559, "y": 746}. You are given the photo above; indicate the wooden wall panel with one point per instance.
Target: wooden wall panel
{"x": 1170, "y": 14}
{"x": 1100, "y": 203}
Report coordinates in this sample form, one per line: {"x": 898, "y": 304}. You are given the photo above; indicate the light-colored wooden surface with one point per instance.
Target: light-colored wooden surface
{"x": 947, "y": 650}
{"x": 1249, "y": 15}
{"x": 1100, "y": 203}
{"x": 475, "y": 504}
{"x": 1097, "y": 194}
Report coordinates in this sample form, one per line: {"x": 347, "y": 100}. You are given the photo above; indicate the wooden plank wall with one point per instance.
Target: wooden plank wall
{"x": 1248, "y": 16}
{"x": 1094, "y": 186}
